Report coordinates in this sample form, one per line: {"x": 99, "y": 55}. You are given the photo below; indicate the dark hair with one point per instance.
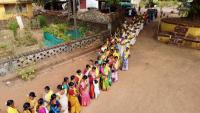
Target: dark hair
{"x": 10, "y": 102}
{"x": 87, "y": 66}
{"x": 26, "y": 106}
{"x": 72, "y": 77}
{"x": 53, "y": 96}
{"x": 78, "y": 71}
{"x": 59, "y": 87}
{"x": 96, "y": 62}
{"x": 94, "y": 68}
{"x": 32, "y": 94}
{"x": 95, "y": 81}
{"x": 104, "y": 63}
{"x": 71, "y": 84}
{"x": 66, "y": 79}
{"x": 47, "y": 88}
{"x": 85, "y": 77}
{"x": 40, "y": 101}
{"x": 116, "y": 57}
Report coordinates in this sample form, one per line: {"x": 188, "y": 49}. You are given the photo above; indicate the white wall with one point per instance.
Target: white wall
{"x": 92, "y": 3}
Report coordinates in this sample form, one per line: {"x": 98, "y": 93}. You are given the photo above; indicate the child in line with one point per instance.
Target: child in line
{"x": 96, "y": 88}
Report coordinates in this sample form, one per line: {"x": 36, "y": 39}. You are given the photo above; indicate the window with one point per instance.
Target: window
{"x": 10, "y": 9}
{"x": 13, "y": 8}
{"x": 22, "y": 8}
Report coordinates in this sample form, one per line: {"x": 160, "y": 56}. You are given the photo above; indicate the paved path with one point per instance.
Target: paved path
{"x": 161, "y": 79}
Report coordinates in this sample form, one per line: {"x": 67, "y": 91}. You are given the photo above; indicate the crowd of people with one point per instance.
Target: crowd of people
{"x": 79, "y": 89}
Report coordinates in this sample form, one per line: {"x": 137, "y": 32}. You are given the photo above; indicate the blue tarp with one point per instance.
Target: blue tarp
{"x": 50, "y": 40}
{"x": 73, "y": 34}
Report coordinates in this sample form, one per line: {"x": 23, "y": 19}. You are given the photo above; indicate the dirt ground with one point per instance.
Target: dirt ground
{"x": 161, "y": 79}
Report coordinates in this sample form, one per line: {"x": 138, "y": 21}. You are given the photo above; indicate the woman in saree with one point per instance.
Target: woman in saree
{"x": 104, "y": 82}
{"x": 78, "y": 77}
{"x": 84, "y": 92}
{"x": 115, "y": 68}
{"x": 91, "y": 87}
{"x": 73, "y": 99}
{"x": 87, "y": 70}
{"x": 126, "y": 55}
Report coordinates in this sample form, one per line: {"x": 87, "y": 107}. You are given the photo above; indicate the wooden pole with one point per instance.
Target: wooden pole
{"x": 74, "y": 16}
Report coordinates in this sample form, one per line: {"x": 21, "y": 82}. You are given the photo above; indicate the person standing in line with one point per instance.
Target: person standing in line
{"x": 96, "y": 89}
{"x": 47, "y": 95}
{"x": 41, "y": 108}
{"x": 84, "y": 91}
{"x": 27, "y": 108}
{"x": 104, "y": 82}
{"x": 126, "y": 55}
{"x": 62, "y": 98}
{"x": 73, "y": 99}
{"x": 32, "y": 100}
{"x": 11, "y": 107}
{"x": 55, "y": 106}
{"x": 65, "y": 84}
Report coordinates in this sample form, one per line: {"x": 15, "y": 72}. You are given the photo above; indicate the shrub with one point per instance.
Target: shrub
{"x": 27, "y": 73}
{"x": 3, "y": 46}
{"x": 25, "y": 39}
{"x": 42, "y": 20}
{"x": 13, "y": 25}
{"x": 58, "y": 30}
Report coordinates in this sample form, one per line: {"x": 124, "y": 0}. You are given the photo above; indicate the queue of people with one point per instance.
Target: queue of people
{"x": 79, "y": 89}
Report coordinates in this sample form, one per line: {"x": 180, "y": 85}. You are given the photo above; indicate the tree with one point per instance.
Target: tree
{"x": 113, "y": 4}
{"x": 194, "y": 11}
{"x": 191, "y": 8}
